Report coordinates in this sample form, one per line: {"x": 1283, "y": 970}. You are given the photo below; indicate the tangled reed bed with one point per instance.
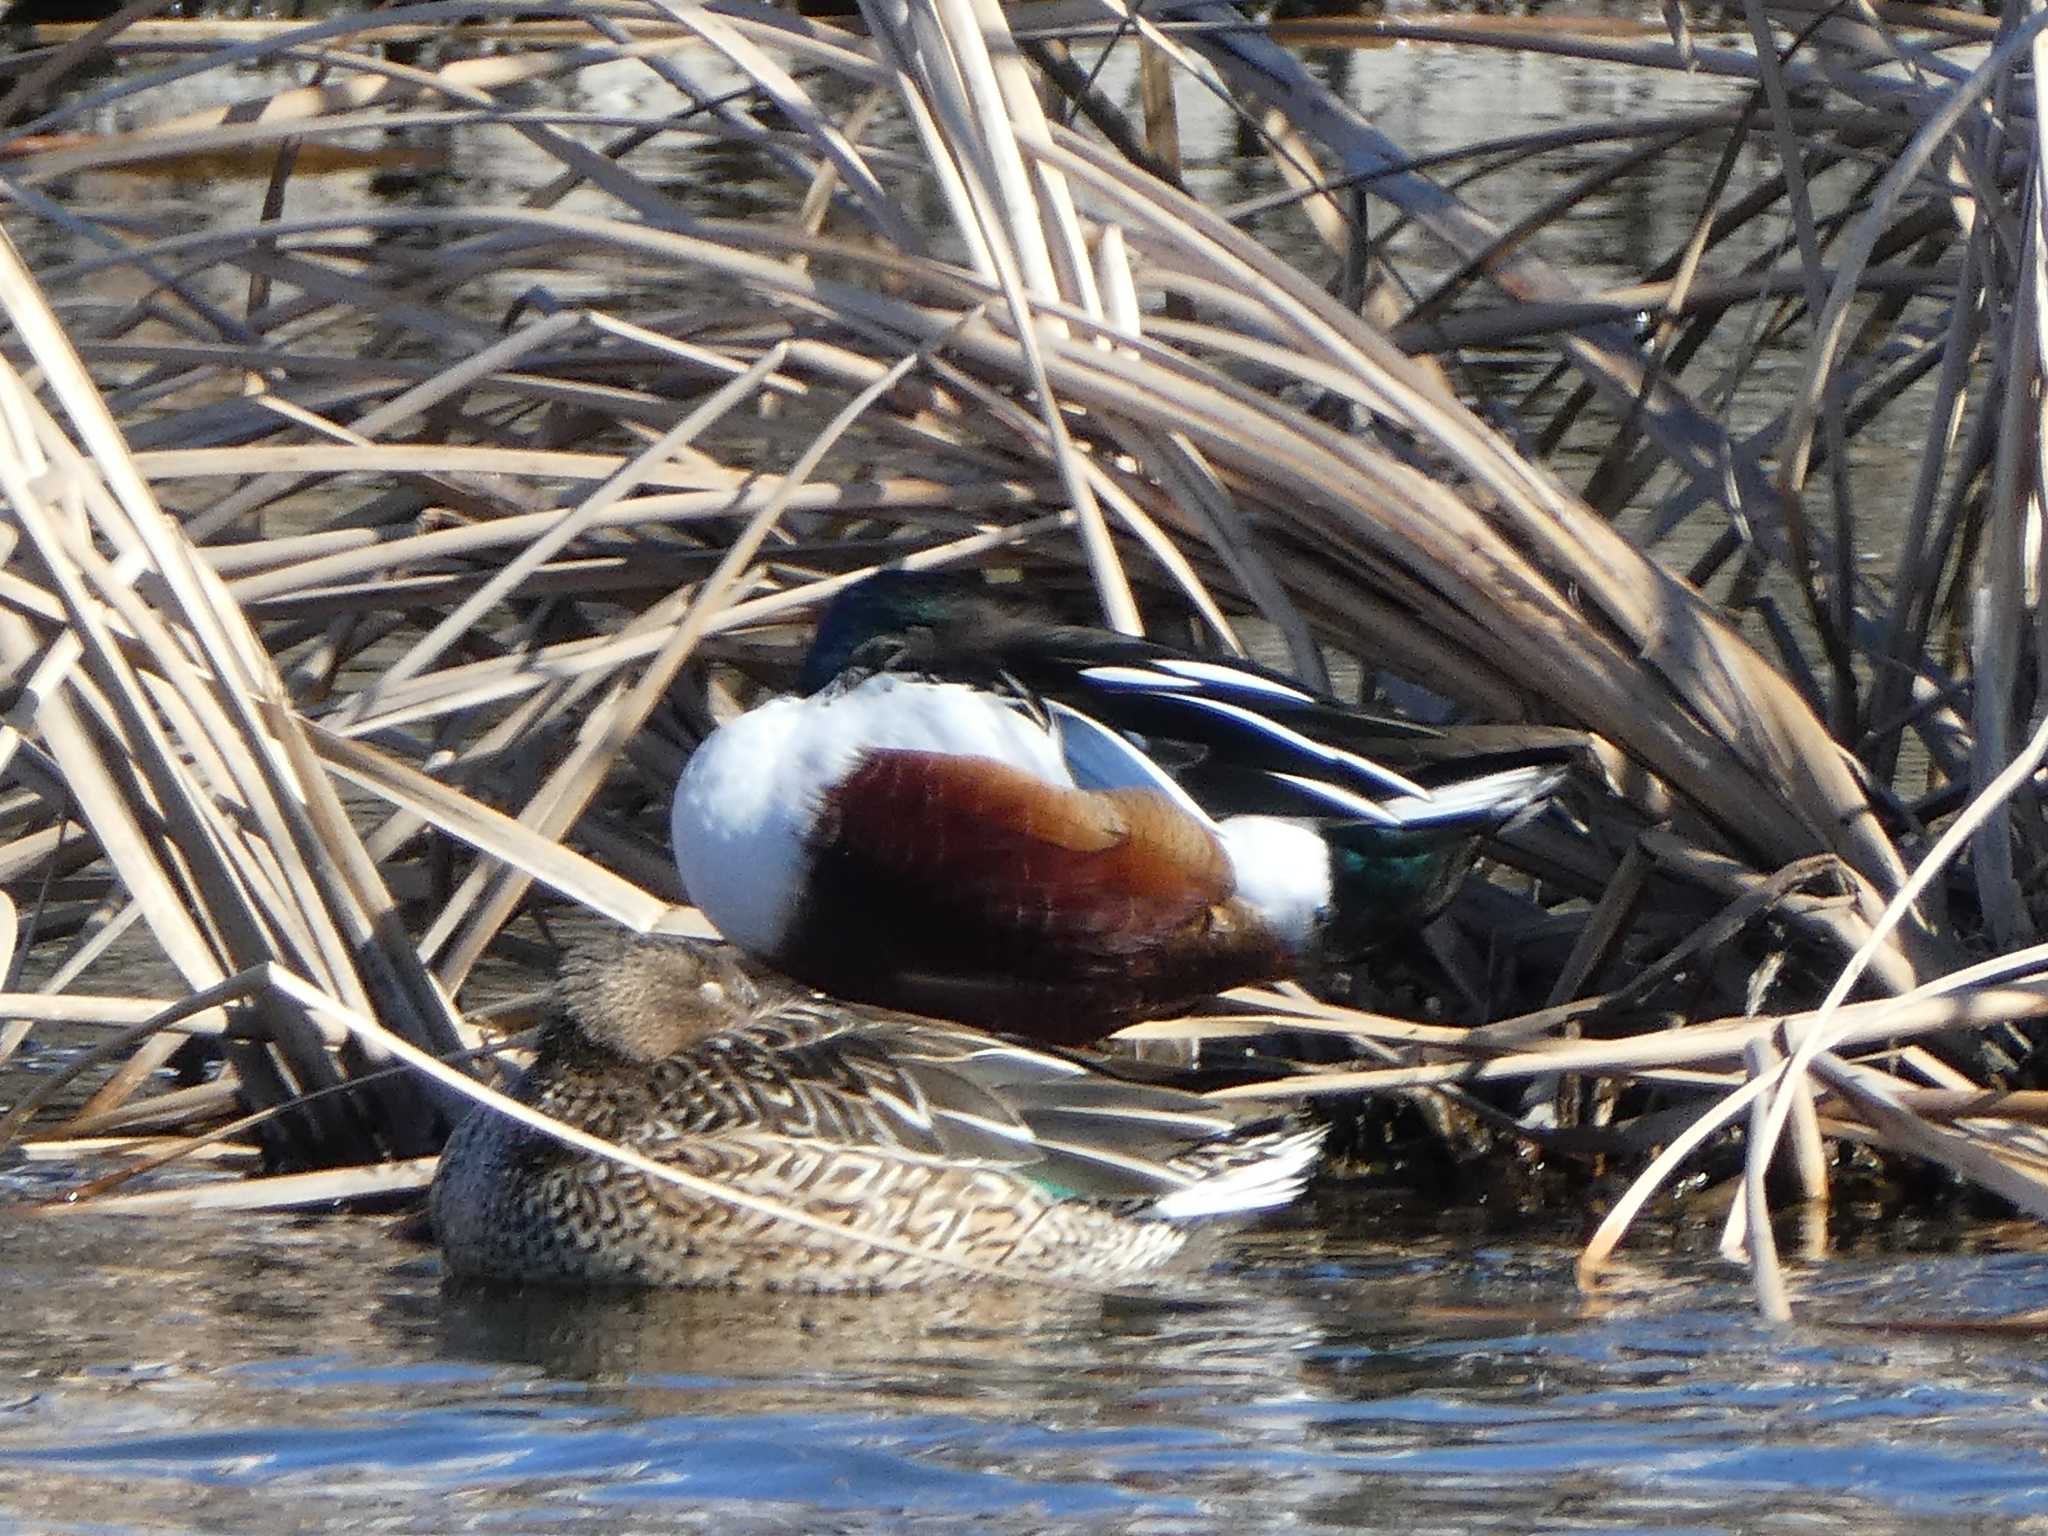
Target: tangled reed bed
{"x": 372, "y": 566}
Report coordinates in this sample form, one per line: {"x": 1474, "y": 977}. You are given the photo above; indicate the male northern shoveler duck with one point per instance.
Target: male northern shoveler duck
{"x": 954, "y": 818}
{"x": 915, "y": 1133}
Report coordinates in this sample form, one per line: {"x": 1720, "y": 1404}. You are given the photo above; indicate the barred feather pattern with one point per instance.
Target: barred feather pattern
{"x": 927, "y": 1136}
{"x": 585, "y": 1221}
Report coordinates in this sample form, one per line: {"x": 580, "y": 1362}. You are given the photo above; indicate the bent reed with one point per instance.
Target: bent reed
{"x": 378, "y": 548}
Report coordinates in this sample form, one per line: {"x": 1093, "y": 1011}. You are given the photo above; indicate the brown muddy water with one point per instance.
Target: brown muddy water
{"x": 1356, "y": 1365}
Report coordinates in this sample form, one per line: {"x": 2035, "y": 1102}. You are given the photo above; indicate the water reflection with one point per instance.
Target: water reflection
{"x": 316, "y": 1375}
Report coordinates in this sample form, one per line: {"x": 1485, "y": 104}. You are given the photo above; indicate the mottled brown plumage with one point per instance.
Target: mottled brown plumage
{"x": 890, "y": 1128}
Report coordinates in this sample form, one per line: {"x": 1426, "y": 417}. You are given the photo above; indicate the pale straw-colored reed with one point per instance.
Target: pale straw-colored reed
{"x": 372, "y": 565}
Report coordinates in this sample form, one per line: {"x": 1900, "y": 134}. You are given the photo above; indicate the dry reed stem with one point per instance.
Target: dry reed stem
{"x": 494, "y": 556}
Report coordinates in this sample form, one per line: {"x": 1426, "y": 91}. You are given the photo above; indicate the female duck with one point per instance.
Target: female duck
{"x": 944, "y": 824}
{"x": 922, "y": 1151}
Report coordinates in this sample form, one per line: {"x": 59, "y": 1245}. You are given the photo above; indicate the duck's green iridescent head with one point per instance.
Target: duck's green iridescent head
{"x": 884, "y": 605}
{"x": 1387, "y": 882}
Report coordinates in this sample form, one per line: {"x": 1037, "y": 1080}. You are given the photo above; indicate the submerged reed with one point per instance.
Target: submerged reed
{"x": 372, "y": 565}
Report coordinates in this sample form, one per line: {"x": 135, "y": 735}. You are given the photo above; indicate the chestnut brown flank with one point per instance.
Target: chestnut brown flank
{"x": 964, "y": 887}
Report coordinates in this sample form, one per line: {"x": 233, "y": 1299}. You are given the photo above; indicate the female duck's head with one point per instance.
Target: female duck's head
{"x": 638, "y": 1003}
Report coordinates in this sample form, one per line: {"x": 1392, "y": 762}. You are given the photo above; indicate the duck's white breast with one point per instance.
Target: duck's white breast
{"x": 749, "y": 796}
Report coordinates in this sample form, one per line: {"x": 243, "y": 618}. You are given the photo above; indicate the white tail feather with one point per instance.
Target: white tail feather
{"x": 1498, "y": 796}
{"x": 1273, "y": 1180}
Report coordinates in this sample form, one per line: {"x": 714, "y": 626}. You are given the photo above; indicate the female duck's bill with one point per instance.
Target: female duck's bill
{"x": 937, "y": 835}
{"x": 862, "y": 1150}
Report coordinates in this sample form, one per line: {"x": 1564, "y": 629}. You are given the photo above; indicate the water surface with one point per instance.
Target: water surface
{"x": 311, "y": 1375}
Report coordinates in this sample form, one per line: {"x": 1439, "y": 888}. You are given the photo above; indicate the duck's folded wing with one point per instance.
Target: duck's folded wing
{"x": 1458, "y": 807}
{"x": 1252, "y": 724}
{"x": 811, "y": 1071}
{"x": 1080, "y": 664}
{"x": 894, "y": 1086}
{"x": 1094, "y": 1136}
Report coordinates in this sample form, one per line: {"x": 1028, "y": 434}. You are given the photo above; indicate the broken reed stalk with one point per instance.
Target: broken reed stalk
{"x": 359, "y": 630}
